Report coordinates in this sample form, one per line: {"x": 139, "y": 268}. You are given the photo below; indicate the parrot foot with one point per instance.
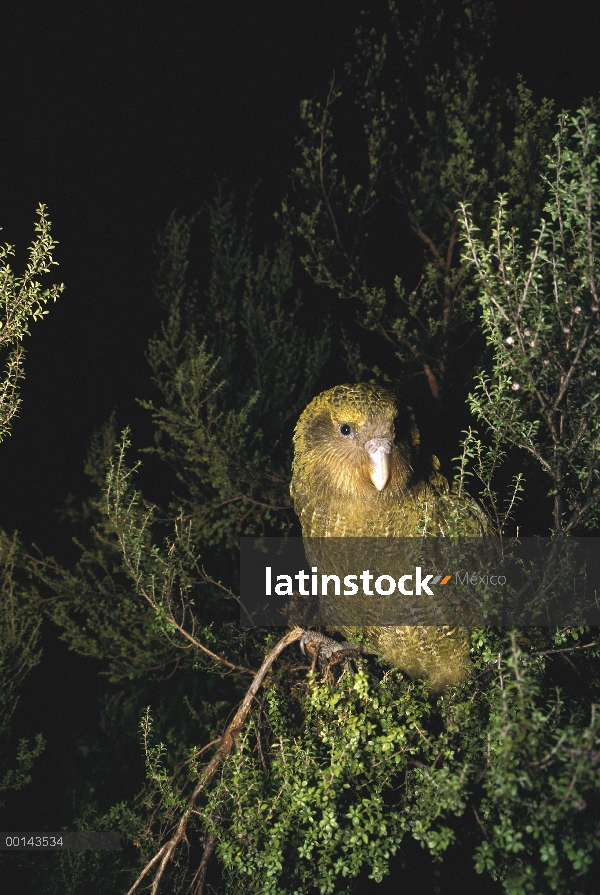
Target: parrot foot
{"x": 330, "y": 655}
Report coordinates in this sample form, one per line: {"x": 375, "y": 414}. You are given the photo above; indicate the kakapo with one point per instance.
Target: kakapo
{"x": 353, "y": 479}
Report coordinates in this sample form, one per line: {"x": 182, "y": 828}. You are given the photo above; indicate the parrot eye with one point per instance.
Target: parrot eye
{"x": 345, "y": 429}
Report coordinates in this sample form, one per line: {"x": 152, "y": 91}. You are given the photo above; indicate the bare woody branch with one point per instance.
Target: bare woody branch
{"x": 165, "y": 854}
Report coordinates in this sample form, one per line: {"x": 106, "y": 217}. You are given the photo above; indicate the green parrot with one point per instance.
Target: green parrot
{"x": 352, "y": 479}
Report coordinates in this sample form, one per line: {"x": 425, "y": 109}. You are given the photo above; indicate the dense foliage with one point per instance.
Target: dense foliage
{"x": 433, "y": 135}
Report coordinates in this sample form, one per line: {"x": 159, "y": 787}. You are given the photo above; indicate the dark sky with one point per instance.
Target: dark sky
{"x": 113, "y": 114}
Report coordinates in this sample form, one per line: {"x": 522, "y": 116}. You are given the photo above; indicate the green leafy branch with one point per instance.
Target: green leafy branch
{"x": 161, "y": 577}
{"x": 22, "y": 301}
{"x": 433, "y": 136}
{"x": 541, "y": 319}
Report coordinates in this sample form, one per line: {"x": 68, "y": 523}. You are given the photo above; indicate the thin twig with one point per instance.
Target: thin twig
{"x": 567, "y": 649}
{"x": 193, "y": 642}
{"x": 166, "y": 852}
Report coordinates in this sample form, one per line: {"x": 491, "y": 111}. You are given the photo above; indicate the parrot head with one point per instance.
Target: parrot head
{"x": 344, "y": 444}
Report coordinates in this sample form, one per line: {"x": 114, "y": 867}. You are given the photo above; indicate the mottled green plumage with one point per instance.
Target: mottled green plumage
{"x": 337, "y": 440}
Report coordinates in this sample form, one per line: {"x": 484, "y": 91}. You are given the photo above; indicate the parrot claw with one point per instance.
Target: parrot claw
{"x": 330, "y": 654}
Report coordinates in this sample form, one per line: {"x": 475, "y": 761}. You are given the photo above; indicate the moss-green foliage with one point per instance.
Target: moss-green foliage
{"x": 79, "y": 872}
{"x": 20, "y": 651}
{"x": 328, "y": 781}
{"x": 541, "y": 316}
{"x": 434, "y": 133}
{"x": 22, "y": 301}
{"x": 318, "y": 812}
{"x": 235, "y": 369}
{"x": 541, "y": 780}
{"x": 94, "y": 606}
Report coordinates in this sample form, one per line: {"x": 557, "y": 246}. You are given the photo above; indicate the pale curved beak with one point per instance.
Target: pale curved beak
{"x": 379, "y": 451}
